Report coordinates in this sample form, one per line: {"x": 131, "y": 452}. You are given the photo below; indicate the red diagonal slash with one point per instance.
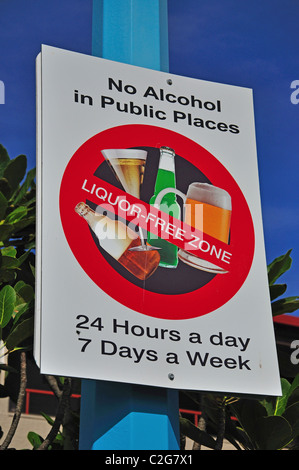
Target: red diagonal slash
{"x": 153, "y": 220}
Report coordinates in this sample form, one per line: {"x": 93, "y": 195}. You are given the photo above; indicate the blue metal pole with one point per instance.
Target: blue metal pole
{"x": 118, "y": 416}
{"x": 131, "y": 31}
{"x": 125, "y": 416}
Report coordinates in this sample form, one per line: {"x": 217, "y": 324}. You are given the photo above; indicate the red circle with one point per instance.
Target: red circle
{"x": 199, "y": 302}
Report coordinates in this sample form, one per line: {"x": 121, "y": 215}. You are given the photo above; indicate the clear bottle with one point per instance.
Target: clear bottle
{"x": 166, "y": 179}
{"x": 117, "y": 239}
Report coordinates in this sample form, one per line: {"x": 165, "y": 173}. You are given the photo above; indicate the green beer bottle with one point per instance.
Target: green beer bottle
{"x": 166, "y": 179}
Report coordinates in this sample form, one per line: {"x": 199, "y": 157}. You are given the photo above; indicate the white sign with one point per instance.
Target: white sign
{"x": 133, "y": 158}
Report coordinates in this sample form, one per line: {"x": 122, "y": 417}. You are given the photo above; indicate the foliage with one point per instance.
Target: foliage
{"x": 276, "y": 269}
{"x": 17, "y": 240}
{"x": 271, "y": 423}
{"x": 17, "y": 283}
{"x": 66, "y": 437}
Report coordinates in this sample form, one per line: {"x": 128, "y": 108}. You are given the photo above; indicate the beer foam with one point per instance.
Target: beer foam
{"x": 209, "y": 194}
{"x": 124, "y": 153}
{"x": 167, "y": 159}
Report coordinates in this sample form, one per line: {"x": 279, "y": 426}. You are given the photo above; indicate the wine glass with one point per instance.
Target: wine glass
{"x": 128, "y": 167}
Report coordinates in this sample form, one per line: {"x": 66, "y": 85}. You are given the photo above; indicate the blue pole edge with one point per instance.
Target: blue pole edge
{"x": 120, "y": 416}
{"x": 131, "y": 31}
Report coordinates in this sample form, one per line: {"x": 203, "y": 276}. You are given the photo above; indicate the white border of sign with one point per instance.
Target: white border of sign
{"x": 236, "y": 352}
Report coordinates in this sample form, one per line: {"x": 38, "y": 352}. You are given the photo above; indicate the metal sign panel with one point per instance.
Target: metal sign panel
{"x": 150, "y": 258}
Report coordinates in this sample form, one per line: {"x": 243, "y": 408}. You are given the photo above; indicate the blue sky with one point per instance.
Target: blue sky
{"x": 253, "y": 44}
{"x": 24, "y": 25}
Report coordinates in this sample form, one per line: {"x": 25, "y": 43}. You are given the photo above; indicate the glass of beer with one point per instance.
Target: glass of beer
{"x": 128, "y": 167}
{"x": 206, "y": 208}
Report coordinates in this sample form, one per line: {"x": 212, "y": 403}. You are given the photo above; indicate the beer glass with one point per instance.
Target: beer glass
{"x": 128, "y": 167}
{"x": 208, "y": 209}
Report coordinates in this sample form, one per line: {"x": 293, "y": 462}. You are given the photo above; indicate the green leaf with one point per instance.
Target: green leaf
{"x": 291, "y": 414}
{"x": 278, "y": 267}
{"x": 25, "y": 186}
{"x": 23, "y": 223}
{"x": 286, "y": 305}
{"x": 59, "y": 438}
{"x": 48, "y": 418}
{"x": 294, "y": 391}
{"x": 35, "y": 439}
{"x": 5, "y": 188}
{"x": 270, "y": 405}
{"x": 7, "y": 304}
{"x": 9, "y": 262}
{"x": 31, "y": 244}
{"x": 3, "y": 205}
{"x": 248, "y": 412}
{"x": 19, "y": 310}
{"x": 235, "y": 435}
{"x": 15, "y": 171}
{"x": 17, "y": 214}
{"x": 7, "y": 275}
{"x": 9, "y": 251}
{"x": 273, "y": 433}
{"x": 276, "y": 290}
{"x": 189, "y": 430}
{"x": 4, "y": 159}
{"x": 9, "y": 266}
{"x": 32, "y": 269}
{"x": 5, "y": 231}
{"x": 21, "y": 332}
{"x": 282, "y": 401}
{"x": 25, "y": 293}
{"x": 19, "y": 285}
{"x": 23, "y": 257}
{"x": 294, "y": 385}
